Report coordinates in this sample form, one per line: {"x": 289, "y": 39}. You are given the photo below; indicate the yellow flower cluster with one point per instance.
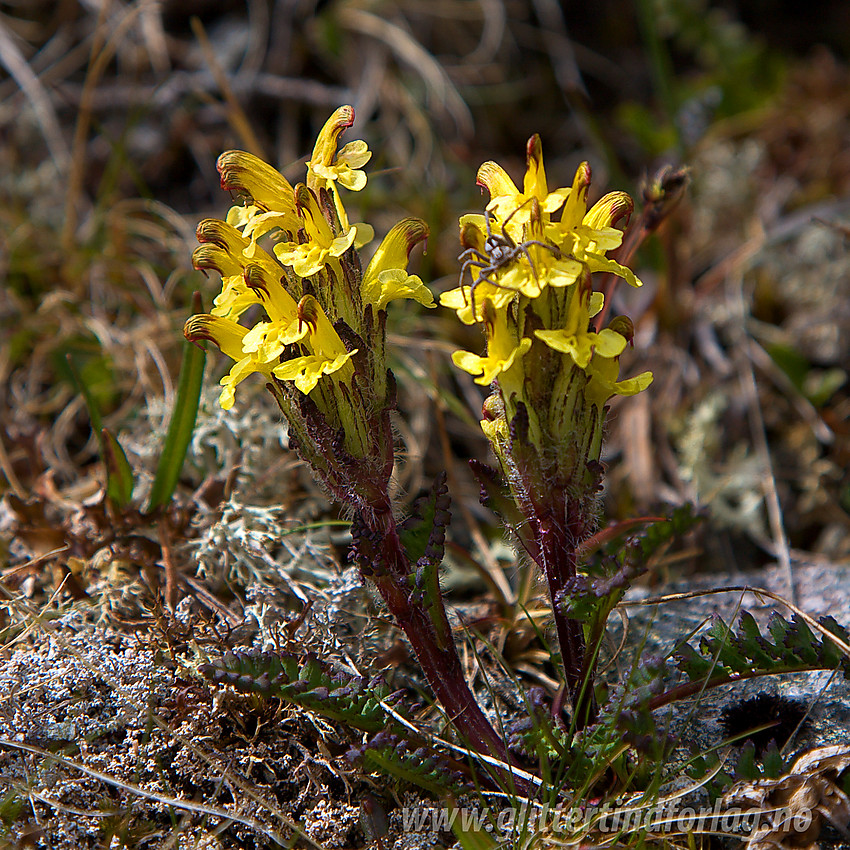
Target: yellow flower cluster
{"x": 531, "y": 257}
{"x": 288, "y": 251}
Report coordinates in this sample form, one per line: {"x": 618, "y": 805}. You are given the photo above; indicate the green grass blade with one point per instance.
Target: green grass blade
{"x": 91, "y": 405}
{"x": 181, "y": 425}
{"x": 119, "y": 473}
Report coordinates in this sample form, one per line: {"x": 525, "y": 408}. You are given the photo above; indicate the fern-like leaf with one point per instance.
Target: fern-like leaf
{"x": 309, "y": 683}
{"x": 723, "y": 655}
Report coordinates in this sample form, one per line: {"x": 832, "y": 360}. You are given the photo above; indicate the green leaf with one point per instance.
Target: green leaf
{"x": 794, "y": 648}
{"x": 695, "y": 665}
{"x": 773, "y": 762}
{"x": 119, "y": 473}
{"x": 310, "y": 683}
{"x": 718, "y": 642}
{"x": 181, "y": 425}
{"x": 747, "y": 767}
{"x": 832, "y": 654}
{"x": 414, "y": 768}
{"x": 800, "y": 640}
{"x": 751, "y": 643}
{"x": 91, "y": 404}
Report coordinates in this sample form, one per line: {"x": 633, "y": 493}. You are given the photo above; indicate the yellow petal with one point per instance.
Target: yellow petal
{"x": 226, "y": 334}
{"x": 576, "y": 203}
{"x": 597, "y": 302}
{"x": 578, "y": 346}
{"x": 326, "y": 142}
{"x": 257, "y": 181}
{"x": 609, "y": 210}
{"x": 598, "y": 263}
{"x": 496, "y": 180}
{"x": 306, "y": 371}
{"x": 473, "y": 232}
{"x": 342, "y": 243}
{"x": 609, "y": 343}
{"x": 365, "y": 233}
{"x": 305, "y": 260}
{"x": 323, "y": 339}
{"x": 534, "y": 182}
{"x": 564, "y": 272}
{"x": 392, "y": 253}
{"x": 241, "y": 370}
{"x": 228, "y": 238}
{"x": 355, "y": 154}
{"x": 214, "y": 257}
{"x": 394, "y": 284}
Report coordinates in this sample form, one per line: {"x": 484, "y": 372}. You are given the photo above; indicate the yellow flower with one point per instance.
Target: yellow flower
{"x": 587, "y": 235}
{"x": 321, "y": 246}
{"x": 503, "y": 348}
{"x": 267, "y": 340}
{"x": 386, "y": 277}
{"x": 603, "y": 382}
{"x": 255, "y": 181}
{"x": 328, "y": 354}
{"x": 268, "y": 199}
{"x": 235, "y": 296}
{"x": 326, "y": 166}
{"x": 528, "y": 273}
{"x": 505, "y": 198}
{"x": 228, "y": 336}
{"x": 575, "y": 339}
{"x": 242, "y": 265}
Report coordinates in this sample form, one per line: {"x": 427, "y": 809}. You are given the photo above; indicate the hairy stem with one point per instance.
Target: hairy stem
{"x": 559, "y": 560}
{"x": 438, "y": 658}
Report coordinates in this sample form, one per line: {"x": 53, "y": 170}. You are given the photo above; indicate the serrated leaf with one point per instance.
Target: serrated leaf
{"x": 693, "y": 664}
{"x": 427, "y": 525}
{"x": 752, "y": 643}
{"x": 746, "y": 768}
{"x": 681, "y": 520}
{"x": 772, "y": 761}
{"x": 717, "y": 642}
{"x": 795, "y": 648}
{"x": 412, "y": 768}
{"x": 308, "y": 683}
{"x": 802, "y": 642}
{"x": 777, "y": 626}
{"x": 832, "y": 655}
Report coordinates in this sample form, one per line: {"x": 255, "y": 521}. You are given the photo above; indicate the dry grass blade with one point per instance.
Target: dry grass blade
{"x": 164, "y": 799}
{"x": 749, "y": 388}
{"x": 235, "y": 114}
{"x": 45, "y": 113}
{"x": 442, "y": 91}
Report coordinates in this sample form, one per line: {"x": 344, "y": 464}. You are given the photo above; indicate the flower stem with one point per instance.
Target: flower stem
{"x": 438, "y": 658}
{"x": 559, "y": 560}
